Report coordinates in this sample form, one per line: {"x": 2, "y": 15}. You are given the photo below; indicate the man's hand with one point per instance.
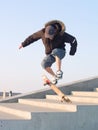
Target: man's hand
{"x": 20, "y": 46}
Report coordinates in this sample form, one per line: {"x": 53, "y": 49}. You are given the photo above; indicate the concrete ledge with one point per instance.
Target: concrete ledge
{"x": 76, "y": 99}
{"x": 86, "y": 94}
{"x": 49, "y": 104}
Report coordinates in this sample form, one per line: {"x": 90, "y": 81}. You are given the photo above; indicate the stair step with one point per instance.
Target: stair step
{"x": 76, "y": 99}
{"x": 85, "y": 93}
{"x": 49, "y": 104}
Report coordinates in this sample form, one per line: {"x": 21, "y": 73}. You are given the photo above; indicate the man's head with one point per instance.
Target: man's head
{"x": 50, "y": 32}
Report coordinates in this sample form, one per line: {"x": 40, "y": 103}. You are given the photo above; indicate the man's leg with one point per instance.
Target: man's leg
{"x": 59, "y": 55}
{"x": 58, "y": 74}
{"x": 54, "y": 79}
{"x": 50, "y": 71}
{"x": 46, "y": 64}
{"x": 55, "y": 56}
{"x": 58, "y": 63}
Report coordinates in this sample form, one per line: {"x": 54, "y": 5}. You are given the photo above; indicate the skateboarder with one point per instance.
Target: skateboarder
{"x": 54, "y": 39}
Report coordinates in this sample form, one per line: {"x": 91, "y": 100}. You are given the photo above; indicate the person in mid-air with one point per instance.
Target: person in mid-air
{"x": 54, "y": 38}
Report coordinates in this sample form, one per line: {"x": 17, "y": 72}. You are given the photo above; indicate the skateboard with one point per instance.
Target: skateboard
{"x": 63, "y": 97}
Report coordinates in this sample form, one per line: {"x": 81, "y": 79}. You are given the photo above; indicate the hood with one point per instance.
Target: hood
{"x": 62, "y": 25}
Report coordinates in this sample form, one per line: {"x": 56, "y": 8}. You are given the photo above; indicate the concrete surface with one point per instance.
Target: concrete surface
{"x": 36, "y": 111}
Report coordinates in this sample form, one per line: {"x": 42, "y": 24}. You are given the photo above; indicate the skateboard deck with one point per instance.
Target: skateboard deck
{"x": 63, "y": 97}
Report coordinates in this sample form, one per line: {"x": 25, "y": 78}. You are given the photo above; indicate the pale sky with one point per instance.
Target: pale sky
{"x": 20, "y": 70}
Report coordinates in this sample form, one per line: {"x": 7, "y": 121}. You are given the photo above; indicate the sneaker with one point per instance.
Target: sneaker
{"x": 59, "y": 74}
{"x": 54, "y": 80}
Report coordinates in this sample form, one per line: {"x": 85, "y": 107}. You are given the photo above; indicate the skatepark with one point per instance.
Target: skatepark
{"x": 43, "y": 110}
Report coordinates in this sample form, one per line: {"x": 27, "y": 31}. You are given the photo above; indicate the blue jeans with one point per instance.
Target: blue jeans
{"x": 50, "y": 59}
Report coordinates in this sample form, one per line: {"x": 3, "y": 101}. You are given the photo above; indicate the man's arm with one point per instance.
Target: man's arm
{"x": 32, "y": 38}
{"x": 73, "y": 42}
